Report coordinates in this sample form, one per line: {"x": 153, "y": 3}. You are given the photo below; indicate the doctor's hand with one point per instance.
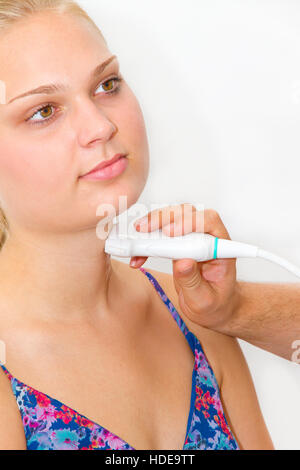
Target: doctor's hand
{"x": 207, "y": 290}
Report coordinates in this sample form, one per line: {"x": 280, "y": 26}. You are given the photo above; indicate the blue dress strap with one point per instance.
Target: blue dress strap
{"x": 10, "y": 376}
{"x": 192, "y": 340}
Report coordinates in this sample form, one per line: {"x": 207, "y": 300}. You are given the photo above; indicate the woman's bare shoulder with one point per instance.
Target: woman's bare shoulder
{"x": 12, "y": 436}
{"x": 236, "y": 386}
{"x": 212, "y": 342}
{"x": 216, "y": 346}
{"x": 220, "y": 349}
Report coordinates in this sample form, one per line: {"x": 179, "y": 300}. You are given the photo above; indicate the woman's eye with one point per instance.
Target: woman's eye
{"x": 44, "y": 112}
{"x": 109, "y": 85}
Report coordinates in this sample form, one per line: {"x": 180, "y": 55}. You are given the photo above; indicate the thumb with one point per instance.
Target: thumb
{"x": 193, "y": 290}
{"x": 187, "y": 275}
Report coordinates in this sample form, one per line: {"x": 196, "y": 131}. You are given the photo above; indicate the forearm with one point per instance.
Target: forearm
{"x": 268, "y": 316}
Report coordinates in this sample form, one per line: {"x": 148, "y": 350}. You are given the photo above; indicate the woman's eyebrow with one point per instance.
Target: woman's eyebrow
{"x": 59, "y": 87}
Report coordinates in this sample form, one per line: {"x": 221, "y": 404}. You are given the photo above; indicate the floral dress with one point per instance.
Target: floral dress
{"x": 52, "y": 425}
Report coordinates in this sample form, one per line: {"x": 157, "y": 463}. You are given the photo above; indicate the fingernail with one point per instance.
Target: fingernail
{"x": 142, "y": 221}
{"x": 143, "y": 225}
{"x": 133, "y": 263}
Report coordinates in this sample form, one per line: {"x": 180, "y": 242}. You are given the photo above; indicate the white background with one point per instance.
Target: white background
{"x": 219, "y": 85}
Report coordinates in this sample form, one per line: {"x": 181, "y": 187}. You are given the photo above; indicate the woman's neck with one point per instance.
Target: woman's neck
{"x": 67, "y": 276}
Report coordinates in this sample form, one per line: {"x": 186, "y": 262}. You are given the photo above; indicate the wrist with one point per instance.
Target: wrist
{"x": 229, "y": 320}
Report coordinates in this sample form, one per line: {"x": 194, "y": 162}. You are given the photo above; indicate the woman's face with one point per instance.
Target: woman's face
{"x": 44, "y": 153}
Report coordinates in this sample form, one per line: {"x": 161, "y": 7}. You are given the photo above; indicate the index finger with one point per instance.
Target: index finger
{"x": 188, "y": 217}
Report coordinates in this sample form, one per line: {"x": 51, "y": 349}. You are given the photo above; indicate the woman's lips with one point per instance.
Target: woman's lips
{"x": 118, "y": 165}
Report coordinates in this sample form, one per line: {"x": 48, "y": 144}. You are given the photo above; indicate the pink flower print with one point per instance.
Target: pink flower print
{"x": 65, "y": 414}
{"x": 41, "y": 398}
{"x": 47, "y": 414}
{"x": 82, "y": 421}
{"x": 203, "y": 400}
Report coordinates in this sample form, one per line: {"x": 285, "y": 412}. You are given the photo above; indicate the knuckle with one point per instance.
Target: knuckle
{"x": 187, "y": 216}
{"x": 154, "y": 216}
{"x": 172, "y": 213}
{"x": 189, "y": 205}
{"x": 214, "y": 221}
{"x": 192, "y": 282}
{"x": 212, "y": 215}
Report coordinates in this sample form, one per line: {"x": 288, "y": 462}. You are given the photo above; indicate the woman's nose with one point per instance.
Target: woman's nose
{"x": 93, "y": 124}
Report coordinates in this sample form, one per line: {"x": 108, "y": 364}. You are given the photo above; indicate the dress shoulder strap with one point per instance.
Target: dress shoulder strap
{"x": 10, "y": 376}
{"x": 180, "y": 322}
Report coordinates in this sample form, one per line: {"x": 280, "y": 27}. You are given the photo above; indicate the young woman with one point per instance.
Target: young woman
{"x": 98, "y": 355}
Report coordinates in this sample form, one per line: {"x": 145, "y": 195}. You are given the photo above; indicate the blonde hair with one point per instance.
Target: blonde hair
{"x": 3, "y": 228}
{"x": 11, "y": 11}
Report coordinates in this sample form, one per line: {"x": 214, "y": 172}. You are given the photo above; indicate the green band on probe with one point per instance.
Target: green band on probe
{"x": 216, "y": 247}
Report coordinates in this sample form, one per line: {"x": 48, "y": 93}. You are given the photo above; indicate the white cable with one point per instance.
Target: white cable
{"x": 198, "y": 246}
{"x": 278, "y": 260}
